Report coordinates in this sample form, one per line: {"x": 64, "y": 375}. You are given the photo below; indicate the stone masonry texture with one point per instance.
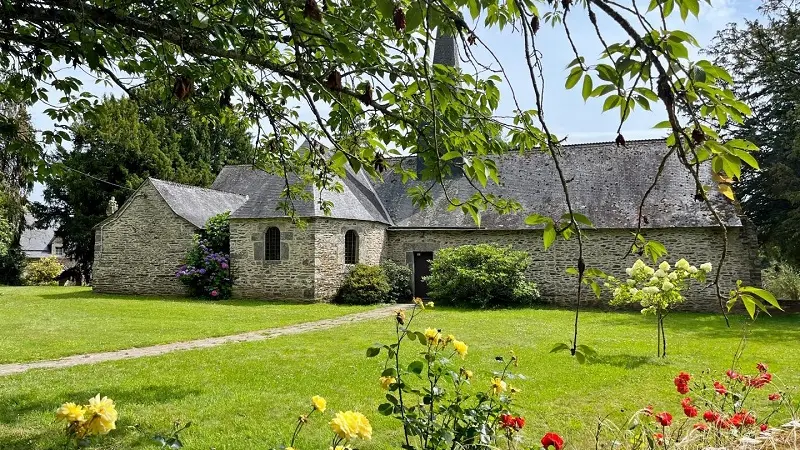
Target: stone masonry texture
{"x": 139, "y": 250}
{"x": 603, "y": 249}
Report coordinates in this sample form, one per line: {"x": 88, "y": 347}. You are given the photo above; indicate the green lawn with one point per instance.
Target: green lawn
{"x": 247, "y": 396}
{"x": 49, "y": 322}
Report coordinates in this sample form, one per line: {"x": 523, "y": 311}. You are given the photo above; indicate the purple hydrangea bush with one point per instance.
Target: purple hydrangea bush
{"x": 207, "y": 272}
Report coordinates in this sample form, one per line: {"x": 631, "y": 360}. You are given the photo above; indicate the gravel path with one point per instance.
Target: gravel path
{"x": 260, "y": 335}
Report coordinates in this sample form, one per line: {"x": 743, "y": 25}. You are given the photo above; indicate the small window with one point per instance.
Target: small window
{"x": 59, "y": 251}
{"x": 272, "y": 244}
{"x": 351, "y": 247}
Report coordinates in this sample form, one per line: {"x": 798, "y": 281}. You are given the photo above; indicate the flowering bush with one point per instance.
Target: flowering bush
{"x": 657, "y": 290}
{"x": 96, "y": 418}
{"x": 440, "y": 403}
{"x": 206, "y": 273}
{"x": 716, "y": 413}
{"x": 43, "y": 271}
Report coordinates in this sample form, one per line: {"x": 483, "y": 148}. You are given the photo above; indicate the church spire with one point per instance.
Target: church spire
{"x": 445, "y": 50}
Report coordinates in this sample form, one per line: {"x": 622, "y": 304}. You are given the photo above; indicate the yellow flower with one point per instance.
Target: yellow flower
{"x": 449, "y": 338}
{"x": 103, "y": 415}
{"x": 418, "y": 302}
{"x": 498, "y": 385}
{"x": 386, "y": 381}
{"x": 432, "y": 335}
{"x": 319, "y": 403}
{"x": 289, "y": 448}
{"x": 400, "y": 315}
{"x": 350, "y": 425}
{"x": 429, "y": 304}
{"x": 71, "y": 412}
{"x": 461, "y": 348}
{"x": 468, "y": 374}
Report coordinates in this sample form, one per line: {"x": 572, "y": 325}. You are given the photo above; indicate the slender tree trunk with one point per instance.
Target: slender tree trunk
{"x": 658, "y": 333}
{"x": 663, "y": 339}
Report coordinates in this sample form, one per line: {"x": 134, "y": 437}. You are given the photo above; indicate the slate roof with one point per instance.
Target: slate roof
{"x": 357, "y": 201}
{"x": 35, "y": 243}
{"x": 445, "y": 51}
{"x": 197, "y": 204}
{"x": 606, "y": 183}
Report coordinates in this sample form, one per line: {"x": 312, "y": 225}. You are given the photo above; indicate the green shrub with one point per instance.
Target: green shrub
{"x": 783, "y": 280}
{"x": 481, "y": 276}
{"x": 207, "y": 272}
{"x": 217, "y": 233}
{"x": 364, "y": 285}
{"x": 399, "y": 277}
{"x": 43, "y": 271}
{"x": 12, "y": 266}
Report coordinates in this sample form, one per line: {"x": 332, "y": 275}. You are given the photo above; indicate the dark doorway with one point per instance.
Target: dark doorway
{"x": 422, "y": 268}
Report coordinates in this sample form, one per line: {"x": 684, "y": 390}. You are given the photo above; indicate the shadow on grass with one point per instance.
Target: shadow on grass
{"x": 625, "y": 361}
{"x": 91, "y": 295}
{"x": 127, "y": 435}
{"x": 13, "y": 408}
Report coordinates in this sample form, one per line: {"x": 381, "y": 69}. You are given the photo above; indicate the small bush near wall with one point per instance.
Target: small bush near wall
{"x": 43, "y": 271}
{"x": 481, "y": 276}
{"x": 783, "y": 280}
{"x": 399, "y": 277}
{"x": 207, "y": 272}
{"x": 364, "y": 285}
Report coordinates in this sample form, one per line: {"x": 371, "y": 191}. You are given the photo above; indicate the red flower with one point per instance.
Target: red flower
{"x": 520, "y": 422}
{"x": 700, "y": 426}
{"x": 731, "y": 374}
{"x": 682, "y": 382}
{"x": 690, "y": 411}
{"x": 761, "y": 380}
{"x": 659, "y": 437}
{"x": 507, "y": 421}
{"x": 686, "y": 402}
{"x": 764, "y": 427}
{"x": 552, "y": 439}
{"x": 723, "y": 423}
{"x": 664, "y": 418}
{"x": 774, "y": 397}
{"x": 737, "y": 420}
{"x": 720, "y": 388}
{"x": 710, "y": 416}
{"x": 761, "y": 367}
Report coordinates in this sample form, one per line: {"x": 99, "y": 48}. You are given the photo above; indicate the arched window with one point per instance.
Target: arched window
{"x": 351, "y": 247}
{"x": 272, "y": 244}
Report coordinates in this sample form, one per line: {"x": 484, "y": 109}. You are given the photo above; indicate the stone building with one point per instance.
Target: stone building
{"x": 140, "y": 246}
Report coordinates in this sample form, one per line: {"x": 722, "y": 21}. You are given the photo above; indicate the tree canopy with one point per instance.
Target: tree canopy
{"x": 121, "y": 143}
{"x": 764, "y": 56}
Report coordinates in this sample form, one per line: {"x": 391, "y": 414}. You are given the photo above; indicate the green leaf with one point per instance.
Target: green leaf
{"x": 763, "y": 293}
{"x": 451, "y": 155}
{"x": 386, "y": 409}
{"x": 374, "y": 350}
{"x": 595, "y": 288}
{"x": 536, "y": 219}
{"x": 414, "y": 17}
{"x": 549, "y": 235}
{"x": 750, "y": 305}
{"x": 587, "y": 87}
{"x": 389, "y": 372}
{"x": 580, "y": 357}
{"x": 573, "y": 78}
{"x": 663, "y": 124}
{"x": 611, "y": 101}
{"x": 746, "y": 157}
{"x": 416, "y": 367}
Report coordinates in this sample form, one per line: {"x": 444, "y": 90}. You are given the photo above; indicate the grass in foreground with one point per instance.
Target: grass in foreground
{"x": 248, "y": 396}
{"x": 50, "y": 322}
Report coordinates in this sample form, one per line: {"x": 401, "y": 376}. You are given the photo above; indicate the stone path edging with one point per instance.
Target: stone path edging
{"x": 154, "y": 350}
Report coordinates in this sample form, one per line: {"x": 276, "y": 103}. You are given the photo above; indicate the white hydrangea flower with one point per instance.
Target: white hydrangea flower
{"x": 629, "y": 271}
{"x": 654, "y": 280}
{"x": 705, "y": 267}
{"x": 634, "y": 291}
{"x": 664, "y": 266}
{"x": 661, "y": 273}
{"x": 667, "y": 286}
{"x": 692, "y": 270}
{"x": 682, "y": 264}
{"x": 649, "y": 270}
{"x": 617, "y": 291}
{"x": 631, "y": 282}
{"x": 650, "y": 290}
{"x": 673, "y": 276}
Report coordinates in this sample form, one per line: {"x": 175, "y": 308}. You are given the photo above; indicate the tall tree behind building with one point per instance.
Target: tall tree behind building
{"x": 121, "y": 144}
{"x": 764, "y": 57}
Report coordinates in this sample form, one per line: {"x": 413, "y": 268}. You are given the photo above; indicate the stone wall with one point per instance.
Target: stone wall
{"x": 312, "y": 259}
{"x": 329, "y": 260}
{"x": 604, "y": 250}
{"x": 254, "y": 277}
{"x": 139, "y": 250}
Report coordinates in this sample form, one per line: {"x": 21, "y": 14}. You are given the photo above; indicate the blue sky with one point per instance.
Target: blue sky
{"x": 566, "y": 112}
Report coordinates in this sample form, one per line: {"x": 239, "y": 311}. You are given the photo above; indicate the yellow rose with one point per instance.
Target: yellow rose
{"x": 104, "y": 408}
{"x": 432, "y": 335}
{"x": 99, "y": 426}
{"x": 449, "y": 338}
{"x": 71, "y": 412}
{"x": 461, "y": 348}
{"x": 468, "y": 374}
{"x": 418, "y": 302}
{"x": 350, "y": 425}
{"x": 498, "y": 385}
{"x": 289, "y": 448}
{"x": 387, "y": 381}
{"x": 319, "y": 403}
